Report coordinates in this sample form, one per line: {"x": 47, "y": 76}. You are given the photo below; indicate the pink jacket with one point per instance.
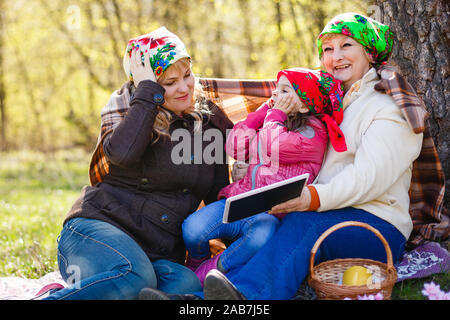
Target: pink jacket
{"x": 274, "y": 153}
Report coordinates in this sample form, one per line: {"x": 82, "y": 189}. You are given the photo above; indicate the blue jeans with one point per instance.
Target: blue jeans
{"x": 277, "y": 270}
{"x": 248, "y": 235}
{"x": 99, "y": 261}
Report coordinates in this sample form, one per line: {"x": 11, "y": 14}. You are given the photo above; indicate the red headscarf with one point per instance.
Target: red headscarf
{"x": 323, "y": 95}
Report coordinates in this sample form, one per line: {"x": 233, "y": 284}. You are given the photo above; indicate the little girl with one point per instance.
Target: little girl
{"x": 283, "y": 138}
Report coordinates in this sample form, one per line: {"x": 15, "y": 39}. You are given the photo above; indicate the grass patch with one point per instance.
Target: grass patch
{"x": 37, "y": 191}
{"x": 412, "y": 289}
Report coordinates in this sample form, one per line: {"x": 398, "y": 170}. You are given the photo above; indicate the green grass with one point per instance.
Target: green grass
{"x": 412, "y": 289}
{"x": 36, "y": 192}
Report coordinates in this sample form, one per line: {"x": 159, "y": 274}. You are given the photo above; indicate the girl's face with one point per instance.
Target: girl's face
{"x": 345, "y": 59}
{"x": 284, "y": 88}
{"x": 179, "y": 85}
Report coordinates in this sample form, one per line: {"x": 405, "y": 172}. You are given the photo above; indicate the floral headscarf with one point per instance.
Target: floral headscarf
{"x": 374, "y": 36}
{"x": 164, "y": 48}
{"x": 322, "y": 94}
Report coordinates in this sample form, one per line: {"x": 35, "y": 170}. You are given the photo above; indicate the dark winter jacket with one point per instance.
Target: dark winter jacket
{"x": 146, "y": 194}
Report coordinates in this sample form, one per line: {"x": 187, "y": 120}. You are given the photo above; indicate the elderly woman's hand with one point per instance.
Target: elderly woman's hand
{"x": 300, "y": 203}
{"x": 140, "y": 67}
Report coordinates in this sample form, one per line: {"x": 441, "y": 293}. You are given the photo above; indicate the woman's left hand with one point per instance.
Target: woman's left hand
{"x": 300, "y": 203}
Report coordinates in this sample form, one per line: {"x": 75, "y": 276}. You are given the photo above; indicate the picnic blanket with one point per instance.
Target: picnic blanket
{"x": 423, "y": 261}
{"x": 19, "y": 288}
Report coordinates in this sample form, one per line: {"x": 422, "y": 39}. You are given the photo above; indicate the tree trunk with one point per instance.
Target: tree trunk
{"x": 421, "y": 30}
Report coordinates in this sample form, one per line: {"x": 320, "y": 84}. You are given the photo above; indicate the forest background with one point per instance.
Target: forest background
{"x": 61, "y": 60}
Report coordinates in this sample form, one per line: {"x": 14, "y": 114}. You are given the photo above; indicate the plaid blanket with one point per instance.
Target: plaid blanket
{"x": 237, "y": 97}
{"x": 431, "y": 220}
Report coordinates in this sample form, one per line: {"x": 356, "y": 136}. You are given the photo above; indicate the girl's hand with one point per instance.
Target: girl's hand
{"x": 284, "y": 102}
{"x": 300, "y": 203}
{"x": 140, "y": 67}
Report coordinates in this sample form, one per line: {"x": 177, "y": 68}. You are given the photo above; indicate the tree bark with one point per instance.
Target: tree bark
{"x": 421, "y": 30}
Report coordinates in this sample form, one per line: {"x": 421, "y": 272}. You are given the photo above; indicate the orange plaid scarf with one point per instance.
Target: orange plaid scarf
{"x": 431, "y": 220}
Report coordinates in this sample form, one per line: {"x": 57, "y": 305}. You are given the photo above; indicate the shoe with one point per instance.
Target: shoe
{"x": 155, "y": 294}
{"x": 218, "y": 287}
{"x": 193, "y": 263}
{"x": 207, "y": 266}
{"x": 152, "y": 294}
{"x": 48, "y": 290}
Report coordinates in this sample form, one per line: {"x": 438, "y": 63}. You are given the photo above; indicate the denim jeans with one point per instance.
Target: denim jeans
{"x": 99, "y": 261}
{"x": 248, "y": 235}
{"x": 277, "y": 270}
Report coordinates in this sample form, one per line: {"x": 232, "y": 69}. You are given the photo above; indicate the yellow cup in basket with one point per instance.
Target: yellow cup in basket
{"x": 357, "y": 276}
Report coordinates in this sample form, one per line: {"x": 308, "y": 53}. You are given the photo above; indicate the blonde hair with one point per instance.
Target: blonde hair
{"x": 198, "y": 110}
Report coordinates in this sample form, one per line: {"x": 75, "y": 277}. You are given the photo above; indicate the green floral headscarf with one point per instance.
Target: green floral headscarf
{"x": 374, "y": 36}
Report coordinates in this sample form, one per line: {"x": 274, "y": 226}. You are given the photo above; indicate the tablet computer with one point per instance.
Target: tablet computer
{"x": 263, "y": 199}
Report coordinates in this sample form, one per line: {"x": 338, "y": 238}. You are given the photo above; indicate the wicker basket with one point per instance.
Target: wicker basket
{"x": 324, "y": 277}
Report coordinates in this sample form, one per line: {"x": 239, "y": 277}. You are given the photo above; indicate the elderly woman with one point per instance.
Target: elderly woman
{"x": 368, "y": 183}
{"x": 124, "y": 232}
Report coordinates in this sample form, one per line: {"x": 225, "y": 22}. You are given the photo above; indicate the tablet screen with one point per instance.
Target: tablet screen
{"x": 263, "y": 199}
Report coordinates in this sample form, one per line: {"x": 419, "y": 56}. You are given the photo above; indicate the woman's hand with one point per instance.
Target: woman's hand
{"x": 300, "y": 203}
{"x": 140, "y": 67}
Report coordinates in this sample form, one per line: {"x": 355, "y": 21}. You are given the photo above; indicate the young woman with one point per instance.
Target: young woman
{"x": 124, "y": 232}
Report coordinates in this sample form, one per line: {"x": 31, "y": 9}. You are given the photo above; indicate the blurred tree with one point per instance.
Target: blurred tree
{"x": 281, "y": 42}
{"x": 3, "y": 142}
{"x": 247, "y": 33}
{"x": 62, "y": 59}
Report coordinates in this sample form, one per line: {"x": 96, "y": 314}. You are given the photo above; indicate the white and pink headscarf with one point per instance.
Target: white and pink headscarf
{"x": 163, "y": 46}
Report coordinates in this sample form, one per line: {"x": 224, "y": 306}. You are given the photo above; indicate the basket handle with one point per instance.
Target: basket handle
{"x": 338, "y": 226}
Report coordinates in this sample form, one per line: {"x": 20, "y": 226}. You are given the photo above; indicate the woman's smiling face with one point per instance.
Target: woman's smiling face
{"x": 178, "y": 81}
{"x": 345, "y": 59}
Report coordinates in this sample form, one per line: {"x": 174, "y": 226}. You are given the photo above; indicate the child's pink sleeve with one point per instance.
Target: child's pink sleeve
{"x": 306, "y": 144}
{"x": 238, "y": 141}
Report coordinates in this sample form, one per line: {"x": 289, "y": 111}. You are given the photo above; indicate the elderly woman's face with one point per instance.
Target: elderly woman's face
{"x": 345, "y": 59}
